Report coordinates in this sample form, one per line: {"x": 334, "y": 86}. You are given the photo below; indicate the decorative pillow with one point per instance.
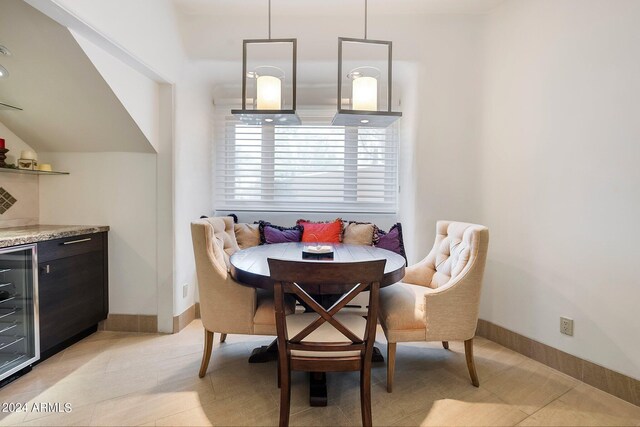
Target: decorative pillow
{"x": 359, "y": 233}
{"x": 392, "y": 240}
{"x": 270, "y": 233}
{"x": 325, "y": 232}
{"x": 247, "y": 235}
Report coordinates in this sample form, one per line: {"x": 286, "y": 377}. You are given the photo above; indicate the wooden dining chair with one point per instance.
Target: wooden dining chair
{"x": 325, "y": 340}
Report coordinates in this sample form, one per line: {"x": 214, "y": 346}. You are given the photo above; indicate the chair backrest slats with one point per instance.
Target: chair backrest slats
{"x": 290, "y": 277}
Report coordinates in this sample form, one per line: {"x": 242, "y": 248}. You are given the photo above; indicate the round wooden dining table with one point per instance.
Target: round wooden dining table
{"x": 249, "y": 267}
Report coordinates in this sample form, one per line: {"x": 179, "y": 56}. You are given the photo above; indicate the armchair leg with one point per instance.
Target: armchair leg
{"x": 391, "y": 365}
{"x": 468, "y": 351}
{"x": 206, "y": 355}
{"x": 223, "y": 337}
{"x": 445, "y": 344}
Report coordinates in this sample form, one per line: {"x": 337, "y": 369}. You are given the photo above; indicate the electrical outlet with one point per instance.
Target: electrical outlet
{"x": 185, "y": 290}
{"x": 566, "y": 326}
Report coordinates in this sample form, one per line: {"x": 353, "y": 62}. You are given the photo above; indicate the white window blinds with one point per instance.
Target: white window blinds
{"x": 314, "y": 167}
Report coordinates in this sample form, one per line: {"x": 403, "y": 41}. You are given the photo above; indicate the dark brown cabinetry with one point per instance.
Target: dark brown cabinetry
{"x": 72, "y": 289}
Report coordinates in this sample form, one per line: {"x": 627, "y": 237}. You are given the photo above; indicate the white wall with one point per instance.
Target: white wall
{"x": 137, "y": 92}
{"x": 165, "y": 207}
{"x": 23, "y": 187}
{"x": 119, "y": 190}
{"x": 192, "y": 165}
{"x": 147, "y": 29}
{"x": 444, "y": 109}
{"x": 560, "y": 175}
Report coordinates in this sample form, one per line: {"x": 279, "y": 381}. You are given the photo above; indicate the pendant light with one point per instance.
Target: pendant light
{"x": 268, "y": 85}
{"x": 368, "y": 83}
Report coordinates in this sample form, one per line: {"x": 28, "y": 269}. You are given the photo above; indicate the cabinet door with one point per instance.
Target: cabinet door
{"x": 71, "y": 295}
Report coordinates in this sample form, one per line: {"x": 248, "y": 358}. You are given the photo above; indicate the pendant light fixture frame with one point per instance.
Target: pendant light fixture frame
{"x": 261, "y": 117}
{"x": 366, "y": 118}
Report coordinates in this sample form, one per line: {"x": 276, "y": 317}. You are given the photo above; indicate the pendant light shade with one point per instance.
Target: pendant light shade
{"x": 268, "y": 93}
{"x": 364, "y": 95}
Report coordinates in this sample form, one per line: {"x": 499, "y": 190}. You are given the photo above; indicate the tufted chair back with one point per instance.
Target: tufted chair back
{"x": 457, "y": 246}
{"x": 223, "y": 302}
{"x": 439, "y": 297}
{"x": 224, "y": 235}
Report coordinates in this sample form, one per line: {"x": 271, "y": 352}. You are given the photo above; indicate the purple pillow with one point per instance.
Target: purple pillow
{"x": 270, "y": 233}
{"x": 391, "y": 241}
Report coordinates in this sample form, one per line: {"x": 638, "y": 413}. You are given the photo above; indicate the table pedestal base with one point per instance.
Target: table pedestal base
{"x": 376, "y": 357}
{"x": 266, "y": 353}
{"x": 317, "y": 389}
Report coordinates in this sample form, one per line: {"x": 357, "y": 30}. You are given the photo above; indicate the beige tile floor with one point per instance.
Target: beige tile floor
{"x": 148, "y": 379}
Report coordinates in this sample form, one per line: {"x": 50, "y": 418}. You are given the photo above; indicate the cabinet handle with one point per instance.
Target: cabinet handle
{"x": 71, "y": 242}
{"x": 47, "y": 269}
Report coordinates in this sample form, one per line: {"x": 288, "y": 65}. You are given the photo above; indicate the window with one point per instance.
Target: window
{"x": 314, "y": 167}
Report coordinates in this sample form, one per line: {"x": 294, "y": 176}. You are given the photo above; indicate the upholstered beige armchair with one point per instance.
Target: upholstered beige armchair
{"x": 439, "y": 297}
{"x": 226, "y": 307}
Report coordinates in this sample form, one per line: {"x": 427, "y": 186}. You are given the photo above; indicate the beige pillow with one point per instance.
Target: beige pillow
{"x": 247, "y": 235}
{"x": 358, "y": 234}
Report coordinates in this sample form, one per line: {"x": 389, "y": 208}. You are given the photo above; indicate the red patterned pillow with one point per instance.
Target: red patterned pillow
{"x": 321, "y": 232}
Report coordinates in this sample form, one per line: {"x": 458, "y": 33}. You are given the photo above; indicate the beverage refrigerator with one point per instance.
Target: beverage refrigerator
{"x": 19, "y": 335}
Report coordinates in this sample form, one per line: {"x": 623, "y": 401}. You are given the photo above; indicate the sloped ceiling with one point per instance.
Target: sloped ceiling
{"x": 67, "y": 105}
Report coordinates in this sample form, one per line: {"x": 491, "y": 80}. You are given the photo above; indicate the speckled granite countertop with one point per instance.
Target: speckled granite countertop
{"x": 14, "y": 236}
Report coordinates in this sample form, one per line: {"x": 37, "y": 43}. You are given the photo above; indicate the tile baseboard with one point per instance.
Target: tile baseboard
{"x": 147, "y": 323}
{"x": 605, "y": 379}
{"x": 130, "y": 323}
{"x": 183, "y": 319}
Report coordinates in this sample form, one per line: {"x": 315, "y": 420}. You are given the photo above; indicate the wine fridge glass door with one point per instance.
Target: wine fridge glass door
{"x": 19, "y": 343}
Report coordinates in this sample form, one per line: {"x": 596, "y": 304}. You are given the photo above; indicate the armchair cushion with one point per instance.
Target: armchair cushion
{"x": 270, "y": 233}
{"x": 326, "y": 232}
{"x": 392, "y": 240}
{"x": 402, "y": 312}
{"x": 359, "y": 233}
{"x": 264, "y": 320}
{"x": 247, "y": 235}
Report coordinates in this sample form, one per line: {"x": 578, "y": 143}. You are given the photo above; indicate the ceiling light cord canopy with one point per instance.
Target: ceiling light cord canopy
{"x": 367, "y": 84}
{"x": 268, "y": 89}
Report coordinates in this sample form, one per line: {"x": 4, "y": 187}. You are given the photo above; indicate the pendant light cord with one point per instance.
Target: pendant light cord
{"x": 269, "y": 19}
{"x": 365, "y": 18}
